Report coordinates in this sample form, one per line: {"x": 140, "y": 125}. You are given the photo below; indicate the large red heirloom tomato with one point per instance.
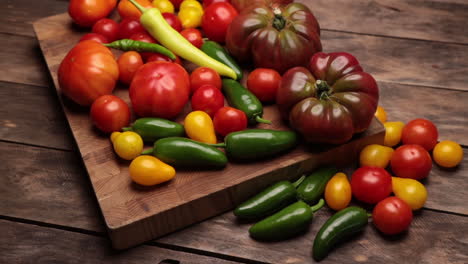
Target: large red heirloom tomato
{"x": 330, "y": 100}
{"x": 159, "y": 89}
{"x": 278, "y": 38}
{"x": 88, "y": 71}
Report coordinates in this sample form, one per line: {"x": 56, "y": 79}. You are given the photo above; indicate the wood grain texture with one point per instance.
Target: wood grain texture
{"x": 439, "y": 20}
{"x": 34, "y": 244}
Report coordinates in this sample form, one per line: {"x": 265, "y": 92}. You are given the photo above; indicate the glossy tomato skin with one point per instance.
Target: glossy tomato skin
{"x": 160, "y": 57}
{"x": 85, "y": 12}
{"x": 109, "y": 113}
{"x": 207, "y": 98}
{"x": 245, "y": 4}
{"x": 173, "y": 21}
{"x": 129, "y": 27}
{"x": 229, "y": 119}
{"x": 264, "y": 84}
{"x": 420, "y": 132}
{"x": 255, "y": 35}
{"x": 204, "y": 75}
{"x": 207, "y": 3}
{"x": 159, "y": 89}
{"x": 94, "y": 36}
{"x": 392, "y": 216}
{"x": 91, "y": 61}
{"x": 329, "y": 101}
{"x": 194, "y": 36}
{"x": 129, "y": 62}
{"x": 108, "y": 28}
{"x": 216, "y": 20}
{"x": 371, "y": 184}
{"x": 411, "y": 161}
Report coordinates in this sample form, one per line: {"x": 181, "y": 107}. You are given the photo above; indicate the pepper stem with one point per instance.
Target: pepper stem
{"x": 369, "y": 215}
{"x": 299, "y": 181}
{"x": 319, "y": 205}
{"x": 323, "y": 89}
{"x": 147, "y": 152}
{"x": 124, "y": 129}
{"x": 219, "y": 145}
{"x": 138, "y": 6}
{"x": 261, "y": 120}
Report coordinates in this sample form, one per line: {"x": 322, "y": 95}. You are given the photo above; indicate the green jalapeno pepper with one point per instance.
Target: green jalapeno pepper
{"x": 184, "y": 152}
{"x": 313, "y": 187}
{"x": 286, "y": 223}
{"x": 257, "y": 143}
{"x": 341, "y": 225}
{"x": 140, "y": 46}
{"x": 268, "y": 201}
{"x": 152, "y": 128}
{"x": 241, "y": 98}
{"x": 217, "y": 52}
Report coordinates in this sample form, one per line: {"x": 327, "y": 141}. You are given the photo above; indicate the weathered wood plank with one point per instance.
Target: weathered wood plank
{"x": 23, "y": 243}
{"x": 32, "y": 115}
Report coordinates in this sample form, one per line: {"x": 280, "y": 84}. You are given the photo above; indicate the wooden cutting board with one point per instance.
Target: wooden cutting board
{"x": 134, "y": 214}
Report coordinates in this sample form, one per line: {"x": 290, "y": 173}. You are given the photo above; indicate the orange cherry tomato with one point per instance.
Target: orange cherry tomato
{"x": 128, "y": 62}
{"x": 447, "y": 153}
{"x": 338, "y": 192}
{"x": 375, "y": 155}
{"x": 393, "y": 131}
{"x": 127, "y": 10}
{"x": 381, "y": 114}
{"x": 85, "y": 13}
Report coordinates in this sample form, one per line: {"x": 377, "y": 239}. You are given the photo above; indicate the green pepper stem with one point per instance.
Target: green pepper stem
{"x": 369, "y": 215}
{"x": 219, "y": 145}
{"x": 261, "y": 120}
{"x": 147, "y": 152}
{"x": 124, "y": 129}
{"x": 137, "y": 5}
{"x": 319, "y": 205}
{"x": 299, "y": 181}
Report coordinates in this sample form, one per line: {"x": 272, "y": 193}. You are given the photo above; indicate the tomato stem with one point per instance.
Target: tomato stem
{"x": 323, "y": 89}
{"x": 278, "y": 22}
{"x": 319, "y": 205}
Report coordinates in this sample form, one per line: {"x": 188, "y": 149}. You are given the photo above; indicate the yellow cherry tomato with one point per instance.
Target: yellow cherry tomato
{"x": 199, "y": 126}
{"x": 128, "y": 145}
{"x": 165, "y": 6}
{"x": 191, "y": 3}
{"x": 375, "y": 155}
{"x": 148, "y": 170}
{"x": 338, "y": 192}
{"x": 381, "y": 114}
{"x": 447, "y": 153}
{"x": 190, "y": 17}
{"x": 393, "y": 132}
{"x": 411, "y": 191}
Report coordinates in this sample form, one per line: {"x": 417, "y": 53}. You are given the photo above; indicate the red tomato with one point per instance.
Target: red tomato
{"x": 228, "y": 119}
{"x": 88, "y": 71}
{"x": 173, "y": 20}
{"x": 216, "y": 20}
{"x": 194, "y": 36}
{"x": 129, "y": 62}
{"x": 176, "y": 3}
{"x": 420, "y": 132}
{"x": 207, "y": 98}
{"x": 392, "y": 215}
{"x": 411, "y": 161}
{"x": 160, "y": 57}
{"x": 145, "y": 37}
{"x": 109, "y": 113}
{"x": 371, "y": 184}
{"x": 128, "y": 27}
{"x": 264, "y": 83}
{"x": 85, "y": 13}
{"x": 160, "y": 89}
{"x": 204, "y": 75}
{"x": 108, "y": 28}
{"x": 207, "y": 3}
{"x": 96, "y": 37}
{"x": 127, "y": 10}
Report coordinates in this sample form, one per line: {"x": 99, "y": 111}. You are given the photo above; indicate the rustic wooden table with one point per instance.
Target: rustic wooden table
{"x": 418, "y": 52}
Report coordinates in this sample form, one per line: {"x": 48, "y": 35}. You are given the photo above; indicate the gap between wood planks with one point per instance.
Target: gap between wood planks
{"x": 151, "y": 243}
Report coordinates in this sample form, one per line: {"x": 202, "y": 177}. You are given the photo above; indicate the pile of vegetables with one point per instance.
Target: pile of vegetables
{"x": 326, "y": 98}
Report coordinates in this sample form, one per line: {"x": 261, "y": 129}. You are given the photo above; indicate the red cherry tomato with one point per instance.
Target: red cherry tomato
{"x": 207, "y": 3}
{"x": 108, "y": 28}
{"x": 207, "y": 98}
{"x": 392, "y": 216}
{"x": 96, "y": 37}
{"x": 371, "y": 184}
{"x": 85, "y": 13}
{"x": 160, "y": 57}
{"x": 109, "y": 113}
{"x": 194, "y": 36}
{"x": 228, "y": 119}
{"x": 173, "y": 20}
{"x": 129, "y": 27}
{"x": 216, "y": 20}
{"x": 176, "y": 3}
{"x": 411, "y": 161}
{"x": 145, "y": 37}
{"x": 264, "y": 83}
{"x": 420, "y": 132}
{"x": 129, "y": 62}
{"x": 159, "y": 89}
{"x": 204, "y": 75}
